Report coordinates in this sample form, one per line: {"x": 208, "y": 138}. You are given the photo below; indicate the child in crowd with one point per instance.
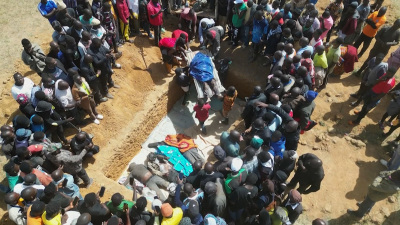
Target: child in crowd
{"x": 202, "y": 112}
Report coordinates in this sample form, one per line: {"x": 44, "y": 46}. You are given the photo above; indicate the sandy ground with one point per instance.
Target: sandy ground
{"x": 145, "y": 98}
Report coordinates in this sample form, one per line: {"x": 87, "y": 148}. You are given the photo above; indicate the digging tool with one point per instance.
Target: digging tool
{"x": 141, "y": 51}
{"x": 76, "y": 128}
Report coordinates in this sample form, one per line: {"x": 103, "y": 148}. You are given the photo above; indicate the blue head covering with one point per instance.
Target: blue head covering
{"x": 311, "y": 95}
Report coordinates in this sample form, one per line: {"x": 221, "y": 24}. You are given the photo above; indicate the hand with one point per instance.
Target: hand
{"x": 179, "y": 181}
{"x": 64, "y": 219}
{"x": 261, "y": 104}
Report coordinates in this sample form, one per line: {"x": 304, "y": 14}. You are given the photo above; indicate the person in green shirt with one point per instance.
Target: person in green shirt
{"x": 12, "y": 170}
{"x": 239, "y": 12}
{"x": 116, "y": 205}
{"x": 320, "y": 65}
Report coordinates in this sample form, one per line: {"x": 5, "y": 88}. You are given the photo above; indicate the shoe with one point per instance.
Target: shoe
{"x": 383, "y": 162}
{"x": 130, "y": 41}
{"x": 117, "y": 65}
{"x": 109, "y": 96}
{"x": 151, "y": 36}
{"x": 118, "y": 55}
{"x": 103, "y": 99}
{"x": 353, "y": 123}
{"x": 381, "y": 125}
{"x": 96, "y": 121}
{"x": 354, "y": 95}
{"x": 115, "y": 86}
{"x": 162, "y": 30}
{"x": 99, "y": 116}
{"x": 204, "y": 130}
{"x": 312, "y": 124}
{"x": 90, "y": 183}
{"x": 356, "y": 111}
{"x": 353, "y": 213}
{"x": 225, "y": 121}
{"x": 354, "y": 104}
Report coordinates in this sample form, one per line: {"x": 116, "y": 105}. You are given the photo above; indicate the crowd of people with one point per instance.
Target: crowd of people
{"x": 248, "y": 184}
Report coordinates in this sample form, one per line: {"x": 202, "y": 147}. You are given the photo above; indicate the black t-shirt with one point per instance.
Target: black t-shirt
{"x": 183, "y": 80}
{"x": 136, "y": 215}
{"x": 223, "y": 7}
{"x": 98, "y": 212}
{"x": 241, "y": 197}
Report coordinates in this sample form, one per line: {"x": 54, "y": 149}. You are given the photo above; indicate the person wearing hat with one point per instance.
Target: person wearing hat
{"x": 66, "y": 16}
{"x": 230, "y": 142}
{"x": 237, "y": 176}
{"x": 293, "y": 205}
{"x": 384, "y": 185}
{"x": 22, "y": 85}
{"x": 171, "y": 216}
{"x": 309, "y": 174}
{"x": 305, "y": 111}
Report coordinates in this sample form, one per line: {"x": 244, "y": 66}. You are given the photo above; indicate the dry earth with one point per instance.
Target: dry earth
{"x": 145, "y": 97}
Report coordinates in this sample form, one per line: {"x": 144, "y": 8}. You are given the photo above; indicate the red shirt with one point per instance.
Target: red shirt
{"x": 178, "y": 33}
{"x": 152, "y": 10}
{"x": 202, "y": 112}
{"x": 123, "y": 11}
{"x": 167, "y": 42}
{"x": 383, "y": 87}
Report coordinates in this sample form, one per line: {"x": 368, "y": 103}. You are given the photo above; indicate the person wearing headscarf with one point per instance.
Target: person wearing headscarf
{"x": 293, "y": 205}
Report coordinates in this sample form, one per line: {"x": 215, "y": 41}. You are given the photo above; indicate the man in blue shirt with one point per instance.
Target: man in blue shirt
{"x": 205, "y": 24}
{"x": 48, "y": 9}
{"x": 260, "y": 30}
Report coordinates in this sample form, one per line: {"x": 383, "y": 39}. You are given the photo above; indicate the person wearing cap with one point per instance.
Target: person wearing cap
{"x": 171, "y": 216}
{"x": 22, "y": 85}
{"x": 97, "y": 31}
{"x": 386, "y": 37}
{"x": 309, "y": 174}
{"x": 348, "y": 23}
{"x": 237, "y": 176}
{"x": 374, "y": 22}
{"x": 66, "y": 16}
{"x": 230, "y": 142}
{"x": 383, "y": 186}
{"x": 48, "y": 9}
{"x": 372, "y": 97}
{"x": 293, "y": 205}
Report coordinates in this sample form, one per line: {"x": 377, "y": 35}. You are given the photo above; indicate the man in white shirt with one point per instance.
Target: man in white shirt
{"x": 14, "y": 210}
{"x": 22, "y": 86}
{"x": 29, "y": 181}
{"x": 205, "y": 24}
{"x": 64, "y": 96}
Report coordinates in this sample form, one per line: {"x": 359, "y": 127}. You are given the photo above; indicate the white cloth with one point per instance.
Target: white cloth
{"x": 21, "y": 186}
{"x": 26, "y": 89}
{"x": 64, "y": 96}
{"x": 72, "y": 217}
{"x": 133, "y": 5}
{"x": 15, "y": 215}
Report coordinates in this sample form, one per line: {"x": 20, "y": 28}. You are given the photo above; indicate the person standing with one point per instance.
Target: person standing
{"x": 239, "y": 12}
{"x": 228, "y": 102}
{"x": 372, "y": 97}
{"x": 374, "y": 22}
{"x": 123, "y": 15}
{"x": 363, "y": 10}
{"x": 187, "y": 22}
{"x": 385, "y": 185}
{"x": 155, "y": 18}
{"x": 202, "y": 112}
{"x": 326, "y": 24}
{"x": 348, "y": 23}
{"x": 335, "y": 8}
{"x": 48, "y": 9}
{"x": 385, "y": 39}
{"x": 248, "y": 21}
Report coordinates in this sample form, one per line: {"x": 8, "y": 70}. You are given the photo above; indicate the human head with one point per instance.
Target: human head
{"x": 166, "y": 210}
{"x": 276, "y": 136}
{"x": 52, "y": 209}
{"x": 37, "y": 209}
{"x": 275, "y": 4}
{"x": 50, "y": 62}
{"x": 257, "y": 90}
{"x": 231, "y": 91}
{"x": 200, "y": 102}
{"x": 251, "y": 179}
{"x": 29, "y": 194}
{"x": 382, "y": 11}
{"x": 299, "y": 82}
{"x": 277, "y": 55}
{"x": 268, "y": 117}
{"x": 304, "y": 42}
{"x": 259, "y": 15}
{"x": 250, "y": 3}
{"x": 273, "y": 99}
{"x": 286, "y": 32}
{"x": 57, "y": 175}
{"x": 317, "y": 34}
{"x": 54, "y": 46}
{"x": 234, "y": 135}
{"x": 289, "y": 49}
{"x": 90, "y": 199}
{"x": 116, "y": 199}
{"x": 297, "y": 35}
{"x": 26, "y": 44}
{"x": 77, "y": 79}
{"x": 274, "y": 24}
{"x": 7, "y": 136}
{"x": 326, "y": 14}
{"x": 320, "y": 49}
{"x": 337, "y": 42}
{"x": 197, "y": 165}
{"x": 25, "y": 167}
{"x": 250, "y": 152}
{"x": 275, "y": 81}
{"x": 86, "y": 36}
{"x": 11, "y": 198}
{"x": 296, "y": 91}
{"x": 306, "y": 54}
{"x": 188, "y": 188}
{"x": 88, "y": 58}
{"x": 294, "y": 196}
{"x": 141, "y": 203}
{"x": 280, "y": 46}
{"x": 87, "y": 14}
{"x": 96, "y": 43}
{"x": 314, "y": 13}
{"x": 11, "y": 168}
{"x": 210, "y": 188}
{"x": 57, "y": 26}
{"x": 302, "y": 71}
{"x": 309, "y": 22}
{"x": 193, "y": 209}
{"x": 19, "y": 79}
{"x": 291, "y": 126}
{"x": 77, "y": 25}
{"x": 319, "y": 221}
{"x": 208, "y": 168}
{"x": 84, "y": 219}
{"x": 352, "y": 7}
{"x": 62, "y": 85}
{"x": 30, "y": 179}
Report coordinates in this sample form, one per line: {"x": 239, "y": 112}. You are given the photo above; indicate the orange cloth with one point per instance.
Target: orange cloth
{"x": 229, "y": 101}
{"x": 33, "y": 220}
{"x": 43, "y": 178}
{"x": 379, "y": 21}
{"x": 181, "y": 141}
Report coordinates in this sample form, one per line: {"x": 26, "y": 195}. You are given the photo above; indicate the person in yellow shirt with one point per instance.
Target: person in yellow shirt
{"x": 34, "y": 213}
{"x": 52, "y": 215}
{"x": 171, "y": 216}
{"x": 374, "y": 21}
